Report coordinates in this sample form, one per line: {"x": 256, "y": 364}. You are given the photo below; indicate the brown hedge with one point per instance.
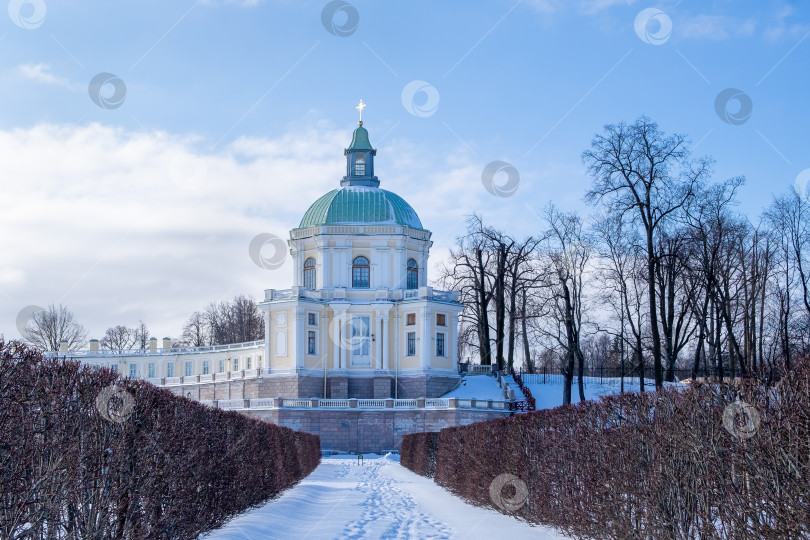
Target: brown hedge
{"x": 168, "y": 468}
{"x": 418, "y": 452}
{"x": 657, "y": 465}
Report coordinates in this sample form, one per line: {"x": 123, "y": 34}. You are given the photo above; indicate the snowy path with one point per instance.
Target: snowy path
{"x": 380, "y": 499}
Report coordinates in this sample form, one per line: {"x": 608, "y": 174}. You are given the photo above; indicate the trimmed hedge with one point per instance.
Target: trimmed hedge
{"x": 418, "y": 452}
{"x": 85, "y": 455}
{"x": 656, "y": 465}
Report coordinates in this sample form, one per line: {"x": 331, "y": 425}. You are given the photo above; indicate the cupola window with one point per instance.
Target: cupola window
{"x": 359, "y": 164}
{"x": 413, "y": 274}
{"x": 309, "y": 274}
{"x": 360, "y": 273}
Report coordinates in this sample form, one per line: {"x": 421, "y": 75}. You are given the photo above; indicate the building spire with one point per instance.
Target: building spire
{"x": 360, "y": 157}
{"x": 360, "y": 108}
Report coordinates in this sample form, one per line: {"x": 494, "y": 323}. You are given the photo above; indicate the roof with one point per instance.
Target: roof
{"x": 360, "y": 205}
{"x": 360, "y": 140}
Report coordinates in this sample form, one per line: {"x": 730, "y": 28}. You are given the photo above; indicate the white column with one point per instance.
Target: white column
{"x": 423, "y": 264}
{"x": 424, "y": 360}
{"x": 336, "y": 341}
{"x": 401, "y": 274}
{"x": 266, "y": 340}
{"x": 451, "y": 347}
{"x": 343, "y": 319}
{"x": 300, "y": 338}
{"x": 385, "y": 342}
{"x": 324, "y": 280}
{"x": 378, "y": 342}
{"x": 385, "y": 269}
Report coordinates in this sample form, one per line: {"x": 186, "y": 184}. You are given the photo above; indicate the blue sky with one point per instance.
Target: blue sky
{"x": 235, "y": 115}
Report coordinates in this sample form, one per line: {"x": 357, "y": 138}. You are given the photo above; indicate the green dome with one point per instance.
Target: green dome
{"x": 360, "y": 205}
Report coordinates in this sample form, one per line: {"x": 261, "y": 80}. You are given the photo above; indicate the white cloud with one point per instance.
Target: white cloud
{"x": 780, "y": 25}
{"x": 122, "y": 226}
{"x": 715, "y": 27}
{"x": 591, "y": 7}
{"x": 42, "y": 73}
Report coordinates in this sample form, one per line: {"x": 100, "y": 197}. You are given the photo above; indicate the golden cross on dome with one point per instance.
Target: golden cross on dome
{"x": 360, "y": 108}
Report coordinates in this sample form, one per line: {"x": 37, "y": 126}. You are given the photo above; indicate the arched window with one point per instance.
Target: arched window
{"x": 413, "y": 274}
{"x": 360, "y": 273}
{"x": 309, "y": 274}
{"x": 359, "y": 164}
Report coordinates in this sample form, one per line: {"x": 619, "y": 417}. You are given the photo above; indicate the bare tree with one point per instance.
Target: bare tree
{"x": 622, "y": 273}
{"x": 141, "y": 336}
{"x": 648, "y": 176}
{"x": 467, "y": 272}
{"x": 118, "y": 339}
{"x": 48, "y": 328}
{"x": 568, "y": 251}
{"x": 237, "y": 321}
{"x": 194, "y": 331}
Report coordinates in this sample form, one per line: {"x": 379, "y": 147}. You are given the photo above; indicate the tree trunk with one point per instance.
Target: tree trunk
{"x": 527, "y": 359}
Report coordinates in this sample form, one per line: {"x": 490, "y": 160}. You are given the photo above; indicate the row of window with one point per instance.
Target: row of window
{"x": 312, "y": 349}
{"x": 188, "y": 367}
{"x": 440, "y": 344}
{"x": 441, "y": 319}
{"x": 361, "y": 273}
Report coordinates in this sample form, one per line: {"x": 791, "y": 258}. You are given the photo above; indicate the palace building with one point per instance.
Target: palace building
{"x": 360, "y": 320}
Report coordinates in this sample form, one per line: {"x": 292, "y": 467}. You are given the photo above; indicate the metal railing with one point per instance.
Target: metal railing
{"x": 373, "y": 404}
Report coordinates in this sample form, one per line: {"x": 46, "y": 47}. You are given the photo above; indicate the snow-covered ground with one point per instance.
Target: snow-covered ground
{"x": 379, "y": 499}
{"x": 483, "y": 387}
{"x": 550, "y": 394}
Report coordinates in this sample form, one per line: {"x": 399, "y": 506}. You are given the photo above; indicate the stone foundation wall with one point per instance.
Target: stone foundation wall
{"x": 369, "y": 431}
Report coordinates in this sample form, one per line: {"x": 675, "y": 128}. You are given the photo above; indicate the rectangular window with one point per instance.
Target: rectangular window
{"x": 206, "y": 367}
{"x": 440, "y": 345}
{"x": 441, "y": 320}
{"x": 222, "y": 366}
{"x": 170, "y": 370}
{"x": 133, "y": 371}
{"x": 188, "y": 369}
{"x": 151, "y": 370}
{"x": 248, "y": 363}
{"x": 259, "y": 361}
{"x": 114, "y": 368}
{"x": 411, "y": 344}
{"x": 235, "y": 364}
{"x": 312, "y": 319}
{"x": 311, "y": 342}
{"x": 410, "y": 319}
{"x": 360, "y": 278}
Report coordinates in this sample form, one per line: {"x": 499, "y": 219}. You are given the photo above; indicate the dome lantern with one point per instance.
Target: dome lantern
{"x": 360, "y": 157}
